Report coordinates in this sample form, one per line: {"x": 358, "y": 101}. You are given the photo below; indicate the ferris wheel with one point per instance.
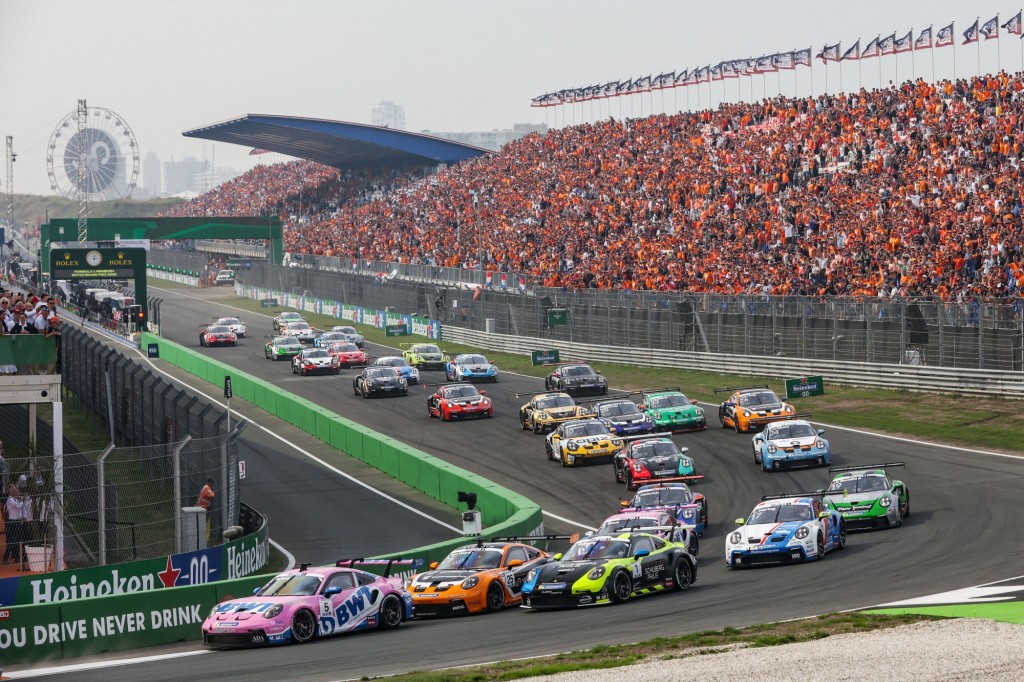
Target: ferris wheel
{"x": 111, "y": 151}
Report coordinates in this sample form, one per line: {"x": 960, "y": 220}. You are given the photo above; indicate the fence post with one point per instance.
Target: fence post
{"x": 176, "y": 463}
{"x": 101, "y": 514}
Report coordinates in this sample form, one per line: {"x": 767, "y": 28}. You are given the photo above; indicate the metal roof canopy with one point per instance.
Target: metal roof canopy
{"x": 336, "y": 143}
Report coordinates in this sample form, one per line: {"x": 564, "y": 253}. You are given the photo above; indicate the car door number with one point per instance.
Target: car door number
{"x": 638, "y": 569}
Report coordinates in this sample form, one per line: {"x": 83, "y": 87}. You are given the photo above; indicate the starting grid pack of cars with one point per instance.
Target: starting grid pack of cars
{"x": 649, "y": 545}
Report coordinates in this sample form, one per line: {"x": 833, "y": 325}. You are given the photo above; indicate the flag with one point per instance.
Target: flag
{"x": 749, "y": 66}
{"x": 642, "y": 84}
{"x": 764, "y": 65}
{"x": 609, "y": 88}
{"x": 693, "y": 78}
{"x": 872, "y": 49}
{"x": 716, "y": 72}
{"x": 924, "y": 40}
{"x": 522, "y": 283}
{"x": 905, "y": 44}
{"x": 803, "y": 57}
{"x": 625, "y": 87}
{"x": 729, "y": 70}
{"x": 487, "y": 278}
{"x": 887, "y": 45}
{"x": 944, "y": 36}
{"x": 257, "y": 152}
{"x": 1013, "y": 25}
{"x": 783, "y": 60}
{"x": 504, "y": 280}
{"x": 990, "y": 29}
{"x": 829, "y": 53}
{"x": 971, "y": 34}
{"x": 704, "y": 74}
{"x": 681, "y": 78}
{"x": 854, "y": 52}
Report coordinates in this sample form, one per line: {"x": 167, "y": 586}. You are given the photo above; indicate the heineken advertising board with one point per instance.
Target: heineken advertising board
{"x": 396, "y": 330}
{"x": 544, "y": 357}
{"x": 804, "y": 387}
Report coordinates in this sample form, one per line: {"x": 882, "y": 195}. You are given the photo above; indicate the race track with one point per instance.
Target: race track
{"x": 956, "y": 536}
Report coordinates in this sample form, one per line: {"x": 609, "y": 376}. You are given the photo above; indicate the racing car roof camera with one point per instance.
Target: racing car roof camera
{"x": 468, "y": 498}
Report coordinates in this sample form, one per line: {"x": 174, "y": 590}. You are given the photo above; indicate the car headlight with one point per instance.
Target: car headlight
{"x": 542, "y": 415}
{"x": 638, "y": 467}
{"x": 656, "y": 415}
{"x": 572, "y": 445}
{"x": 802, "y": 532}
{"x": 686, "y": 463}
{"x": 602, "y": 380}
{"x": 885, "y": 501}
{"x": 687, "y": 513}
{"x": 470, "y": 582}
{"x": 531, "y": 575}
{"x": 735, "y": 538}
{"x": 772, "y": 449}
{"x": 616, "y": 442}
{"x": 699, "y": 411}
{"x": 820, "y": 444}
{"x": 401, "y": 381}
{"x": 789, "y": 408}
{"x": 213, "y": 611}
{"x": 273, "y": 611}
{"x": 746, "y": 413}
{"x": 596, "y": 573}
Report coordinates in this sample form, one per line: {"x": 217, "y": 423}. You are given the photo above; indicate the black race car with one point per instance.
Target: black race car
{"x": 379, "y": 380}
{"x": 576, "y": 378}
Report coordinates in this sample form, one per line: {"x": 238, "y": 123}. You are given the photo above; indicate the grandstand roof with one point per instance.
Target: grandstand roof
{"x": 336, "y": 143}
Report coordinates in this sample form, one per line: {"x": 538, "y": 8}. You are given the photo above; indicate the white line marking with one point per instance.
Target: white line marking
{"x": 77, "y": 667}
{"x": 288, "y": 555}
{"x": 569, "y": 521}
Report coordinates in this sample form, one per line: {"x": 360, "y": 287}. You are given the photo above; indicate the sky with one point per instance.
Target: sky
{"x": 166, "y": 66}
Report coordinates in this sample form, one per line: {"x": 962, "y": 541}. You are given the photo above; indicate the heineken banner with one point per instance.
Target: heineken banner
{"x": 805, "y": 387}
{"x": 544, "y": 357}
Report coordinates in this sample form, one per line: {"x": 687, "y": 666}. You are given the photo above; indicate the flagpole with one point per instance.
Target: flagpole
{"x": 977, "y": 40}
{"x": 913, "y": 60}
{"x": 840, "y": 74}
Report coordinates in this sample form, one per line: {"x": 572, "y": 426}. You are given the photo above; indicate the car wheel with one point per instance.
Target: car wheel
{"x": 405, "y": 392}
{"x": 694, "y": 544}
{"x": 564, "y": 460}
{"x": 524, "y": 422}
{"x": 364, "y": 393}
{"x": 682, "y": 576}
{"x": 234, "y": 343}
{"x": 821, "y": 546}
{"x": 201, "y": 342}
{"x": 622, "y": 588}
{"x": 548, "y": 450}
{"x": 390, "y": 616}
{"x": 721, "y": 417}
{"x": 757, "y": 460}
{"x": 430, "y": 412}
{"x": 303, "y": 626}
{"x": 495, "y": 597}
{"x": 355, "y": 389}
{"x": 629, "y": 481}
{"x": 842, "y": 534}
{"x": 538, "y": 428}
{"x": 736, "y": 425}
{"x": 906, "y": 507}
{"x": 704, "y": 514}
{"x": 615, "y": 470}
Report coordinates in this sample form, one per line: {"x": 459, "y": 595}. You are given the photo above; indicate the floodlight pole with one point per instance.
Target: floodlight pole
{"x": 82, "y": 185}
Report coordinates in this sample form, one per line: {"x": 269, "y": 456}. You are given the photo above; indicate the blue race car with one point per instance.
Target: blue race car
{"x": 785, "y": 529}
{"x": 792, "y": 443}
{"x": 675, "y": 498}
{"x": 470, "y": 367}
{"x": 399, "y": 364}
{"x": 624, "y": 417}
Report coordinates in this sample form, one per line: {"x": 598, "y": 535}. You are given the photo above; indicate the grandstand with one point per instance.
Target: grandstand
{"x": 912, "y": 190}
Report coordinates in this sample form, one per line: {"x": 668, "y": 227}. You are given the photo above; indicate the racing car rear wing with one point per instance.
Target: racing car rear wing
{"x": 817, "y": 493}
{"x": 728, "y": 389}
{"x": 665, "y": 434}
{"x": 525, "y": 393}
{"x": 605, "y": 397}
{"x": 864, "y": 467}
{"x": 527, "y": 539}
{"x": 388, "y": 563}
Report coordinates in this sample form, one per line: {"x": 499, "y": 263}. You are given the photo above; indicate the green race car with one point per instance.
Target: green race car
{"x": 672, "y": 411}
{"x": 284, "y": 318}
{"x": 425, "y": 356}
{"x": 282, "y": 348}
{"x": 605, "y": 569}
{"x": 870, "y": 499}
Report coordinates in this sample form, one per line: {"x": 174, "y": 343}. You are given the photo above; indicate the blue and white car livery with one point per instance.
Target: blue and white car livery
{"x": 785, "y": 529}
{"x": 470, "y": 367}
{"x": 624, "y": 417}
{"x": 792, "y": 443}
{"x": 404, "y": 369}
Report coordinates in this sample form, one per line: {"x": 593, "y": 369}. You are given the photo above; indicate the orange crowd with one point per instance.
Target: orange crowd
{"x": 913, "y": 190}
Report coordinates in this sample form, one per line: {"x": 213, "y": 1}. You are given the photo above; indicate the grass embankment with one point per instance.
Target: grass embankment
{"x": 984, "y": 423}
{"x": 669, "y": 648}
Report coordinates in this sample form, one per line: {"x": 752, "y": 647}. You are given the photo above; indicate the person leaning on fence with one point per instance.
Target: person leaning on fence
{"x": 205, "y": 500}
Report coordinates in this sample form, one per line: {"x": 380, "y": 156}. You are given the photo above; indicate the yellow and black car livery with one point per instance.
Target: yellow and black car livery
{"x": 605, "y": 569}
{"x": 425, "y": 356}
{"x": 582, "y": 441}
{"x": 547, "y": 409}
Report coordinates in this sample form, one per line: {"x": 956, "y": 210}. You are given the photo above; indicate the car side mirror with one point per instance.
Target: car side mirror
{"x": 683, "y": 451}
{"x": 558, "y": 557}
{"x": 433, "y": 565}
{"x": 824, "y": 515}
{"x": 692, "y": 401}
{"x": 332, "y": 590}
{"x": 759, "y": 438}
{"x": 515, "y": 562}
{"x": 588, "y": 534}
{"x": 257, "y": 590}
{"x": 821, "y": 432}
{"x": 641, "y": 553}
{"x": 598, "y": 371}
{"x": 623, "y": 503}
{"x": 483, "y": 392}
{"x": 740, "y": 522}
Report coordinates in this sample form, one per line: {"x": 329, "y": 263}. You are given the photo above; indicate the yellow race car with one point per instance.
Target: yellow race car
{"x": 546, "y": 410}
{"x": 751, "y": 407}
{"x": 581, "y": 441}
{"x": 425, "y": 356}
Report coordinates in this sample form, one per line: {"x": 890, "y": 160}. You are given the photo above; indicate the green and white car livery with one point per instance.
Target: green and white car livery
{"x": 282, "y": 348}
{"x": 870, "y": 497}
{"x": 672, "y": 411}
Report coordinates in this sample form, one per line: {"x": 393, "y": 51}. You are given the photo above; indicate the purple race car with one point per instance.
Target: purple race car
{"x": 309, "y": 602}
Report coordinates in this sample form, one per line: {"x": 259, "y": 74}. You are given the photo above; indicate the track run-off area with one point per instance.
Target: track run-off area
{"x": 958, "y": 535}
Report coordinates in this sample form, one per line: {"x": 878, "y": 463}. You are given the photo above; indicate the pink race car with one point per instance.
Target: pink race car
{"x": 348, "y": 354}
{"x": 309, "y": 602}
{"x": 654, "y": 521}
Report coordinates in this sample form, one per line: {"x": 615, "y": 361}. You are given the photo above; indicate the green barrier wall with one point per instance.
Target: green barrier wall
{"x": 83, "y": 627}
{"x": 504, "y": 512}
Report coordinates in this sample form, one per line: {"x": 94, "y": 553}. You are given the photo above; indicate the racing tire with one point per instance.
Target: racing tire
{"x": 355, "y": 389}
{"x": 704, "y": 515}
{"x": 842, "y": 534}
{"x": 821, "y": 546}
{"x": 694, "y": 544}
{"x": 430, "y": 413}
{"x": 234, "y": 343}
{"x": 736, "y": 425}
{"x": 303, "y": 626}
{"x": 548, "y": 450}
{"x": 682, "y": 574}
{"x": 721, "y": 418}
{"x": 405, "y": 392}
{"x": 906, "y": 508}
{"x": 390, "y": 613}
{"x": 628, "y": 480}
{"x": 446, "y": 417}
{"x": 201, "y": 342}
{"x": 364, "y": 393}
{"x": 622, "y": 588}
{"x": 495, "y": 597}
{"x": 615, "y": 470}
{"x": 564, "y": 460}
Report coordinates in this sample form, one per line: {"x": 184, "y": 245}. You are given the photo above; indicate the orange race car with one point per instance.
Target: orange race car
{"x": 486, "y": 576}
{"x": 751, "y": 407}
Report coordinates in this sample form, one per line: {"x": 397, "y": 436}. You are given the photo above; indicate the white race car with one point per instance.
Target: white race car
{"x": 785, "y": 529}
{"x": 350, "y": 335}
{"x": 234, "y": 324}
{"x": 791, "y": 443}
{"x": 300, "y": 330}
{"x": 315, "y": 361}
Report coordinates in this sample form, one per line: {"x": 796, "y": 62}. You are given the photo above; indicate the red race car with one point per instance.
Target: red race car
{"x": 459, "y": 401}
{"x": 217, "y": 335}
{"x": 348, "y": 354}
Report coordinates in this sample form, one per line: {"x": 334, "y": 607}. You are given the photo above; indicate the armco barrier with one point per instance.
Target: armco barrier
{"x": 504, "y": 511}
{"x": 92, "y": 626}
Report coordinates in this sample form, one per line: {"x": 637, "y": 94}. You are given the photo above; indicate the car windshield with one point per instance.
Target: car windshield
{"x": 471, "y": 558}
{"x": 548, "y": 403}
{"x": 344, "y": 347}
{"x": 780, "y": 513}
{"x": 624, "y": 409}
{"x": 287, "y": 341}
{"x": 662, "y": 402}
{"x": 860, "y": 484}
{"x": 662, "y": 497}
{"x": 291, "y": 585}
{"x": 426, "y": 349}
{"x": 577, "y": 371}
{"x": 473, "y": 360}
{"x": 345, "y": 330}
{"x": 298, "y": 326}
{"x": 790, "y": 430}
{"x": 758, "y": 398}
{"x": 451, "y": 392}
{"x": 290, "y": 316}
{"x": 581, "y": 429}
{"x": 660, "y": 448}
{"x": 598, "y": 549}
{"x": 217, "y": 329}
{"x": 316, "y": 353}
{"x": 379, "y": 373}
{"x": 332, "y": 336}
{"x": 228, "y": 320}
{"x": 620, "y": 525}
{"x": 392, "y": 362}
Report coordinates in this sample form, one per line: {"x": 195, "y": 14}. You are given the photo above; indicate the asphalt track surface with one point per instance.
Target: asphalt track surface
{"x": 960, "y": 533}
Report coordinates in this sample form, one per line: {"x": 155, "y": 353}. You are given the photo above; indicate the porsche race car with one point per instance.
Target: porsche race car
{"x": 234, "y": 324}
{"x": 624, "y": 417}
{"x": 217, "y": 335}
{"x": 576, "y": 378}
{"x": 327, "y": 338}
{"x": 398, "y": 363}
{"x": 470, "y": 367}
{"x": 459, "y": 401}
{"x": 656, "y": 521}
{"x": 869, "y": 497}
{"x": 672, "y": 411}
{"x": 688, "y": 507}
{"x": 785, "y": 529}
{"x": 425, "y": 356}
{"x": 315, "y": 361}
{"x": 647, "y": 460}
{"x": 282, "y": 348}
{"x": 284, "y": 318}
{"x": 374, "y": 381}
{"x": 350, "y": 334}
{"x": 547, "y": 410}
{"x": 301, "y": 330}
{"x": 605, "y": 569}
{"x": 792, "y": 443}
{"x": 751, "y": 407}
{"x": 304, "y": 603}
{"x": 583, "y": 440}
{"x": 348, "y": 353}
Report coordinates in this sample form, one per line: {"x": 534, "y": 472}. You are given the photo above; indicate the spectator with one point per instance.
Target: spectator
{"x": 53, "y": 332}
{"x": 205, "y": 500}
{"x": 16, "y": 508}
